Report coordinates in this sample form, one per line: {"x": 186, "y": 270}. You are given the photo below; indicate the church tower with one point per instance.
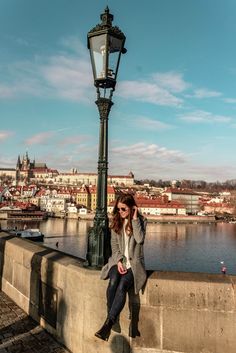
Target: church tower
{"x": 18, "y": 163}
{"x": 18, "y": 168}
{"x": 26, "y": 162}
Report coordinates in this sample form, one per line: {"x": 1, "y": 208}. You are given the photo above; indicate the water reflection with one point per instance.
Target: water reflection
{"x": 174, "y": 247}
{"x": 69, "y": 235}
{"x": 191, "y": 247}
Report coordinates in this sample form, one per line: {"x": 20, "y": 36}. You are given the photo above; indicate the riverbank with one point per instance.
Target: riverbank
{"x": 166, "y": 218}
{"x": 181, "y": 219}
{"x": 90, "y": 217}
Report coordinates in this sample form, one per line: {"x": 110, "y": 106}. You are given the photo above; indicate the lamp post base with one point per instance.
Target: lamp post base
{"x": 99, "y": 248}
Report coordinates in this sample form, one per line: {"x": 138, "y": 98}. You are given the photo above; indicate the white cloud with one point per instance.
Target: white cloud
{"x": 4, "y": 135}
{"x": 148, "y": 92}
{"x": 159, "y": 88}
{"x": 200, "y": 116}
{"x": 141, "y": 150}
{"x": 82, "y": 156}
{"x": 205, "y": 93}
{"x": 146, "y": 161}
{"x": 7, "y": 162}
{"x": 150, "y": 124}
{"x": 22, "y": 42}
{"x": 40, "y": 138}
{"x": 67, "y": 76}
{"x": 74, "y": 140}
{"x": 230, "y": 100}
{"x": 172, "y": 81}
{"x": 75, "y": 45}
{"x": 210, "y": 172}
{"x": 7, "y": 91}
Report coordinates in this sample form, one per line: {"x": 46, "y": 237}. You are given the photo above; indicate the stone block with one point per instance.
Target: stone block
{"x": 61, "y": 278}
{"x": 7, "y": 268}
{"x": 90, "y": 280}
{"x": 198, "y": 331}
{"x": 12, "y": 250}
{"x": 21, "y": 279}
{"x": 30, "y": 251}
{"x": 27, "y": 259}
{"x": 195, "y": 291}
{"x": 16, "y": 296}
{"x": 233, "y": 284}
{"x": 71, "y": 313}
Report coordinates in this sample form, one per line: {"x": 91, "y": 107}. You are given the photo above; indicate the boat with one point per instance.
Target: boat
{"x": 26, "y": 215}
{"x": 33, "y": 234}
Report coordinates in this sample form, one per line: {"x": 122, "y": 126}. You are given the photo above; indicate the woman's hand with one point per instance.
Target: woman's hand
{"x": 121, "y": 269}
{"x": 135, "y": 214}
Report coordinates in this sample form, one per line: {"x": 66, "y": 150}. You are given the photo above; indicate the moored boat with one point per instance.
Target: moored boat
{"x": 33, "y": 234}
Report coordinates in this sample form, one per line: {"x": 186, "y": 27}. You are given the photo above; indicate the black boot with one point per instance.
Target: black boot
{"x": 116, "y": 326}
{"x": 105, "y": 330}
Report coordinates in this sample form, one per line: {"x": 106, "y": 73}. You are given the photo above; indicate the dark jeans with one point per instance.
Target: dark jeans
{"x": 116, "y": 291}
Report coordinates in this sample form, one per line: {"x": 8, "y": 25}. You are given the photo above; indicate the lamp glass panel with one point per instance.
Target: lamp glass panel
{"x": 115, "y": 46}
{"x": 98, "y": 55}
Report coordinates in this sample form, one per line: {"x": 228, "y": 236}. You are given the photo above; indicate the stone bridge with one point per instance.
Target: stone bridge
{"x": 177, "y": 312}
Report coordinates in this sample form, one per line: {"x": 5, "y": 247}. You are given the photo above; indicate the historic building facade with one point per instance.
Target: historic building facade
{"x": 76, "y": 178}
{"x": 29, "y": 171}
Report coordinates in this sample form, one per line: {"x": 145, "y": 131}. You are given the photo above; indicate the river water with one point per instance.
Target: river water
{"x": 172, "y": 247}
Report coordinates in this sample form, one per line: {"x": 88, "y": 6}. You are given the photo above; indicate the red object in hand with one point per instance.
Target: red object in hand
{"x": 121, "y": 269}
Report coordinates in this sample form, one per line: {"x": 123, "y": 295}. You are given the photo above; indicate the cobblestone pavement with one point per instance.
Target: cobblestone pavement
{"x": 19, "y": 333}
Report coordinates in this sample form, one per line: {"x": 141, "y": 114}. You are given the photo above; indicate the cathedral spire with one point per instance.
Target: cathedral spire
{"x": 18, "y": 162}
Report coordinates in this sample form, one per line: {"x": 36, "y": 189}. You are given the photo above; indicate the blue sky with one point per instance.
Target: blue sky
{"x": 174, "y": 113}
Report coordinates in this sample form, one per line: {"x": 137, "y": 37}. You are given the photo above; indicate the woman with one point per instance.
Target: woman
{"x": 125, "y": 267}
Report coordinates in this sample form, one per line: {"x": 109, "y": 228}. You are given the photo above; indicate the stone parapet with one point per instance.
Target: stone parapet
{"x": 177, "y": 312}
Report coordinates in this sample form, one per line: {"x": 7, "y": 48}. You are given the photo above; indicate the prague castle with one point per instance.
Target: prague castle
{"x": 29, "y": 171}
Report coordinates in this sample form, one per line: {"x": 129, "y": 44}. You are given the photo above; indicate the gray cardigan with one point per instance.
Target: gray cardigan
{"x": 136, "y": 256}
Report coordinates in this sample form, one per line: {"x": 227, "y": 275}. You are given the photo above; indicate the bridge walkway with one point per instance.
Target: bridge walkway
{"x": 19, "y": 333}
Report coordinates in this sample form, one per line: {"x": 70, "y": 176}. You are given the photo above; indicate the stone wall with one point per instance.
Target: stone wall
{"x": 177, "y": 313}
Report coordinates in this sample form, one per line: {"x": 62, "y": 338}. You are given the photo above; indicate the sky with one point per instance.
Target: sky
{"x": 174, "y": 112}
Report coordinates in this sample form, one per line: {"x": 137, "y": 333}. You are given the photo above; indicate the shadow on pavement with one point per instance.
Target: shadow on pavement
{"x": 120, "y": 344}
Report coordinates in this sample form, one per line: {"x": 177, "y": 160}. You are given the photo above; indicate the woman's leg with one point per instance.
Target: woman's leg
{"x": 114, "y": 279}
{"x": 119, "y": 284}
{"x": 125, "y": 283}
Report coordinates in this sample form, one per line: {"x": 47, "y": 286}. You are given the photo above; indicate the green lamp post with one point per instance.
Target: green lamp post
{"x": 106, "y": 44}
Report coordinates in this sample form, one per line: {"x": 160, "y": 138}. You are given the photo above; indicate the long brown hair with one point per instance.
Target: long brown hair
{"x": 117, "y": 221}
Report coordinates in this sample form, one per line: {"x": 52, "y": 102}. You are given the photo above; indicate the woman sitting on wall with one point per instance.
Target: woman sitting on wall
{"x": 125, "y": 267}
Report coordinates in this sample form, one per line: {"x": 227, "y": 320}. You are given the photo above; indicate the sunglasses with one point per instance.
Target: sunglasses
{"x": 123, "y": 209}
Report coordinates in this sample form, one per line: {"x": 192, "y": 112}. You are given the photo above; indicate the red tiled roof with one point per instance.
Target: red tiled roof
{"x": 154, "y": 203}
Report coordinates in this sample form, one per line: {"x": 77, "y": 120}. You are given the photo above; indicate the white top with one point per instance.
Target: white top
{"x": 126, "y": 239}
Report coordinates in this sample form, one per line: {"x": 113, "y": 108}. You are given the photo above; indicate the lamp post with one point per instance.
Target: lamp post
{"x": 106, "y": 44}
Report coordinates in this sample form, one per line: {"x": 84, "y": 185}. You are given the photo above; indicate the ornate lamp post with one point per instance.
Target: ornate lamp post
{"x": 106, "y": 44}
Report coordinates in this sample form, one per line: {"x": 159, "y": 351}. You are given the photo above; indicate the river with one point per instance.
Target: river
{"x": 173, "y": 247}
